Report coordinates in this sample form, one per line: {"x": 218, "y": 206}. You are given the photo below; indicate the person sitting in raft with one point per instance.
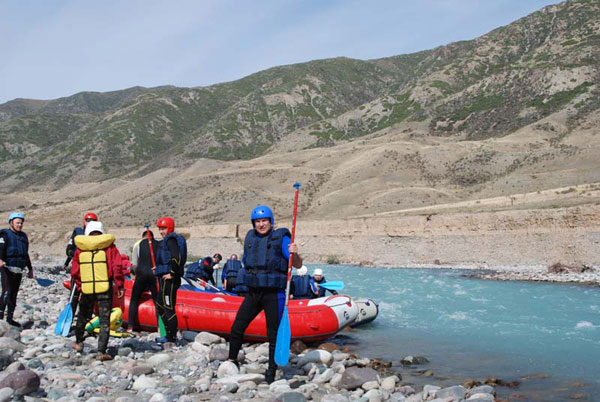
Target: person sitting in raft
{"x": 266, "y": 255}
{"x": 201, "y": 269}
{"x": 96, "y": 268}
{"x": 319, "y": 278}
{"x": 302, "y": 286}
{"x": 230, "y": 273}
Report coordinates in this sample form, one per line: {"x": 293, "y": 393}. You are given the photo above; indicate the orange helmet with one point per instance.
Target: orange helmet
{"x": 166, "y": 222}
{"x": 90, "y": 216}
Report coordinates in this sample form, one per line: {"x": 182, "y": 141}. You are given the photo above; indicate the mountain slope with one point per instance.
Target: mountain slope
{"x": 511, "y": 111}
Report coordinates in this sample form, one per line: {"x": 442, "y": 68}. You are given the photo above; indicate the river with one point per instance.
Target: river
{"x": 544, "y": 335}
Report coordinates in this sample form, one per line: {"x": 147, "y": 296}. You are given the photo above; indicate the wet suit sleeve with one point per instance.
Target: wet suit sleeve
{"x": 3, "y": 242}
{"x": 70, "y": 251}
{"x": 284, "y": 246}
{"x": 175, "y": 257}
{"x": 285, "y": 242}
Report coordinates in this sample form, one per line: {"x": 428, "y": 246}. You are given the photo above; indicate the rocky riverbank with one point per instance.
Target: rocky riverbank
{"x": 38, "y": 365}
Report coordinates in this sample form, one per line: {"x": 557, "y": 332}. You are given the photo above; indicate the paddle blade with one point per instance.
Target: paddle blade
{"x": 63, "y": 325}
{"x": 44, "y": 282}
{"x": 284, "y": 336}
{"x": 161, "y": 327}
{"x": 333, "y": 285}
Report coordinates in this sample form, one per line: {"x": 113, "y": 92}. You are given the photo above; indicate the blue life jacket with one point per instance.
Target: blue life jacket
{"x": 300, "y": 287}
{"x": 17, "y": 248}
{"x": 231, "y": 268}
{"x": 198, "y": 270}
{"x": 264, "y": 263}
{"x": 77, "y": 232}
{"x": 163, "y": 261}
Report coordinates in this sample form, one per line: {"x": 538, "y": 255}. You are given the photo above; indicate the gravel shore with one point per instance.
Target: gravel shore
{"x": 36, "y": 364}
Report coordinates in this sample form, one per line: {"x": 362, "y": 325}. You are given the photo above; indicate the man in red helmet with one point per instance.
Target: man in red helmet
{"x": 171, "y": 258}
{"x": 71, "y": 248}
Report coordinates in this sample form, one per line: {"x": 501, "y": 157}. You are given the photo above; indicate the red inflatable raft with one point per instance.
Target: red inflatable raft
{"x": 310, "y": 320}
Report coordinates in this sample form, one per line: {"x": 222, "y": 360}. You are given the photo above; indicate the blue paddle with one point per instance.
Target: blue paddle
{"x": 333, "y": 285}
{"x": 284, "y": 333}
{"x": 63, "y": 325}
{"x": 44, "y": 282}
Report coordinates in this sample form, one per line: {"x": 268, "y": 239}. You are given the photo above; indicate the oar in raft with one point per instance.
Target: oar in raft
{"x": 284, "y": 333}
{"x": 333, "y": 285}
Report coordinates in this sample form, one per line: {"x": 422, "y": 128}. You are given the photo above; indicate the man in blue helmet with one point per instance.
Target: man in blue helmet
{"x": 14, "y": 258}
{"x": 266, "y": 255}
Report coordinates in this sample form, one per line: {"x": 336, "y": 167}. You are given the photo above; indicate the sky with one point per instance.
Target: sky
{"x": 55, "y": 48}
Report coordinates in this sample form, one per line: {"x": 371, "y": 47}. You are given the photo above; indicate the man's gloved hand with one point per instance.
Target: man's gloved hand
{"x": 30, "y": 273}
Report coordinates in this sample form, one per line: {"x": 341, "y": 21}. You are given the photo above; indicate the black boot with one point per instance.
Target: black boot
{"x": 9, "y": 319}
{"x": 270, "y": 375}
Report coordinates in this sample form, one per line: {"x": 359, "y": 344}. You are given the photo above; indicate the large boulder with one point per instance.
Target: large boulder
{"x": 455, "y": 393}
{"x": 316, "y": 356}
{"x": 159, "y": 359}
{"x": 22, "y": 381}
{"x": 297, "y": 347}
{"x": 6, "y": 394}
{"x": 355, "y": 377}
{"x": 206, "y": 338}
{"x": 5, "y": 359}
{"x": 11, "y": 344}
{"x": 4, "y": 327}
{"x": 227, "y": 369}
{"x": 143, "y": 382}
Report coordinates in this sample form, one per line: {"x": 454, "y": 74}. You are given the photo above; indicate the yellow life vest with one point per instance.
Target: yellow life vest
{"x": 93, "y": 265}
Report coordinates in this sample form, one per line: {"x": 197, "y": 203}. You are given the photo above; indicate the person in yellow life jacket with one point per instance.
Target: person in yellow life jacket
{"x": 96, "y": 268}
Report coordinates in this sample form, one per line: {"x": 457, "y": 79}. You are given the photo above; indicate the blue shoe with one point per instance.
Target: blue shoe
{"x": 162, "y": 339}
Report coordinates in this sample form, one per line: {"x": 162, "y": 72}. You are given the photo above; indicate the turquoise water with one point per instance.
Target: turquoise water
{"x": 472, "y": 328}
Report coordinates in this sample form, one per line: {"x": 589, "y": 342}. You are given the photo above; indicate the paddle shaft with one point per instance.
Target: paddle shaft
{"x": 150, "y": 246}
{"x": 291, "y": 262}
{"x": 204, "y": 283}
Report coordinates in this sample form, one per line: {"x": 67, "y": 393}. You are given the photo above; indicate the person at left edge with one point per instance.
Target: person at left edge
{"x": 70, "y": 251}
{"x": 14, "y": 257}
{"x": 172, "y": 254}
{"x": 96, "y": 268}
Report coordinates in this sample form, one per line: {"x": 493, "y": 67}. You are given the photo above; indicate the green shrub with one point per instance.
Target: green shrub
{"x": 333, "y": 259}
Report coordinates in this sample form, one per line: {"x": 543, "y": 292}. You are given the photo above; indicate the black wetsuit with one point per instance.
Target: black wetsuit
{"x": 167, "y": 292}
{"x": 144, "y": 280}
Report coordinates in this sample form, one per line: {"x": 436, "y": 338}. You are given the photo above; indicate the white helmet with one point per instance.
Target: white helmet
{"x": 94, "y": 226}
{"x": 318, "y": 271}
{"x": 303, "y": 271}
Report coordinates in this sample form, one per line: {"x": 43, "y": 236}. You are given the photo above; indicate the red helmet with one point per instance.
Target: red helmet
{"x": 166, "y": 222}
{"x": 233, "y": 257}
{"x": 90, "y": 216}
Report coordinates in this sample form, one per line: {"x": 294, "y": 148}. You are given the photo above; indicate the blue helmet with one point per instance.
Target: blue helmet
{"x": 14, "y": 215}
{"x": 262, "y": 211}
